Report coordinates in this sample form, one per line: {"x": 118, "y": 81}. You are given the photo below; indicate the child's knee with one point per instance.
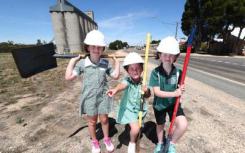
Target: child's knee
{"x": 181, "y": 122}
{"x": 184, "y": 122}
{"x": 92, "y": 122}
{"x": 160, "y": 126}
{"x": 135, "y": 129}
{"x": 104, "y": 120}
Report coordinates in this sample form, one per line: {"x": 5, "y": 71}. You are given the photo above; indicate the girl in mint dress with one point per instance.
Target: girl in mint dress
{"x": 131, "y": 98}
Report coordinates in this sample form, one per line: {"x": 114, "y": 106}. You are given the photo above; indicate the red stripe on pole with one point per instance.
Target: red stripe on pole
{"x": 186, "y": 62}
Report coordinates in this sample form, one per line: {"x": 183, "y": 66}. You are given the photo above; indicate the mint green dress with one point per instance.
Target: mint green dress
{"x": 94, "y": 100}
{"x": 129, "y": 106}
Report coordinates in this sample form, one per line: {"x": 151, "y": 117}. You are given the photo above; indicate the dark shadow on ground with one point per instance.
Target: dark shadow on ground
{"x": 99, "y": 132}
{"x": 124, "y": 137}
{"x": 79, "y": 129}
{"x": 149, "y": 130}
{"x": 112, "y": 129}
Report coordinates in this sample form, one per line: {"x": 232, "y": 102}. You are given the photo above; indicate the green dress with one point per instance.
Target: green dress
{"x": 130, "y": 103}
{"x": 94, "y": 100}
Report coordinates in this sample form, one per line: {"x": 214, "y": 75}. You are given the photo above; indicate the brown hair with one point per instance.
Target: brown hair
{"x": 86, "y": 48}
{"x": 126, "y": 67}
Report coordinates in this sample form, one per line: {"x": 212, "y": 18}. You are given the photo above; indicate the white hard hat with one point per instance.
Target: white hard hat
{"x": 169, "y": 45}
{"x": 96, "y": 38}
{"x": 132, "y": 58}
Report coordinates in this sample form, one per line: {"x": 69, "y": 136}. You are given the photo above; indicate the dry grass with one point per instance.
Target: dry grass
{"x": 13, "y": 87}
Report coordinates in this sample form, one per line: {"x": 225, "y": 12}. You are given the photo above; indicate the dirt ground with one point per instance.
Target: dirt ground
{"x": 40, "y": 114}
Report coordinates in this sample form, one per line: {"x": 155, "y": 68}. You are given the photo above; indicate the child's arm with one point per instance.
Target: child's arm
{"x": 163, "y": 94}
{"x": 116, "y": 72}
{"x": 118, "y": 88}
{"x": 69, "y": 75}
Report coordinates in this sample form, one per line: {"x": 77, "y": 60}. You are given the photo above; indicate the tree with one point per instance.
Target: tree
{"x": 10, "y": 45}
{"x": 125, "y": 44}
{"x": 212, "y": 18}
{"x": 44, "y": 42}
{"x": 39, "y": 42}
{"x": 118, "y": 44}
{"x": 155, "y": 41}
{"x": 190, "y": 17}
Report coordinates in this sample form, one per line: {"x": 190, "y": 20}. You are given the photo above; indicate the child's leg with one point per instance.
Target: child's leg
{"x": 134, "y": 131}
{"x": 180, "y": 127}
{"x": 160, "y": 119}
{"x": 160, "y": 130}
{"x": 92, "y": 120}
{"x": 105, "y": 124}
{"x": 105, "y": 127}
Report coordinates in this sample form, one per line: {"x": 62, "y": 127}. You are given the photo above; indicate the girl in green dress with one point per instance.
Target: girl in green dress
{"x": 130, "y": 101}
{"x": 95, "y": 103}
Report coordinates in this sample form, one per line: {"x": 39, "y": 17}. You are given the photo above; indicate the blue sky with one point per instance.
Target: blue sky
{"x": 25, "y": 21}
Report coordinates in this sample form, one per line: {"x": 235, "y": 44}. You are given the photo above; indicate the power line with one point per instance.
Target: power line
{"x": 169, "y": 23}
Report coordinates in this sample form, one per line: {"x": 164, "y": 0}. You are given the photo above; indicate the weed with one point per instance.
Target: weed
{"x": 19, "y": 120}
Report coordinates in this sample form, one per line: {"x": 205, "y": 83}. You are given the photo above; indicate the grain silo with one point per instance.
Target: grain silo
{"x": 70, "y": 26}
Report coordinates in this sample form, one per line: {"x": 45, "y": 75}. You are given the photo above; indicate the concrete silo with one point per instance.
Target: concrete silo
{"x": 73, "y": 32}
{"x": 60, "y": 31}
{"x": 70, "y": 26}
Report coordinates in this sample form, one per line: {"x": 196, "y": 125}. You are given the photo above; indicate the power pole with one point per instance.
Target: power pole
{"x": 176, "y": 30}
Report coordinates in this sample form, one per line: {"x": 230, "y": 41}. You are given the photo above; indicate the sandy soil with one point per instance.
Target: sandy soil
{"x": 36, "y": 123}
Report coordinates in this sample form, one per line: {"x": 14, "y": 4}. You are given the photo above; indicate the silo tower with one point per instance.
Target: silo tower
{"x": 70, "y": 26}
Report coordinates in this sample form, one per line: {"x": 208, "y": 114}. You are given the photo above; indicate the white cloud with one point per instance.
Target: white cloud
{"x": 123, "y": 22}
{"x": 124, "y": 27}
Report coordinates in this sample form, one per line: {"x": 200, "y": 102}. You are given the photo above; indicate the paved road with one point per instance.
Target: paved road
{"x": 228, "y": 67}
{"x": 224, "y": 73}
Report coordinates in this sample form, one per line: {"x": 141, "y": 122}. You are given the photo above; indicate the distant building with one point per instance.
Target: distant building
{"x": 236, "y": 31}
{"x": 235, "y": 44}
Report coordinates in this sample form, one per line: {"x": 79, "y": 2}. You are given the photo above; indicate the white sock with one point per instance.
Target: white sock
{"x": 132, "y": 143}
{"x": 172, "y": 143}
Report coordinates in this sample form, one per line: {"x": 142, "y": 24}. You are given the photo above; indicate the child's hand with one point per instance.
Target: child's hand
{"x": 116, "y": 71}
{"x": 147, "y": 92}
{"x": 75, "y": 59}
{"x": 111, "y": 92}
{"x": 69, "y": 70}
{"x": 115, "y": 59}
{"x": 180, "y": 90}
{"x": 145, "y": 89}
